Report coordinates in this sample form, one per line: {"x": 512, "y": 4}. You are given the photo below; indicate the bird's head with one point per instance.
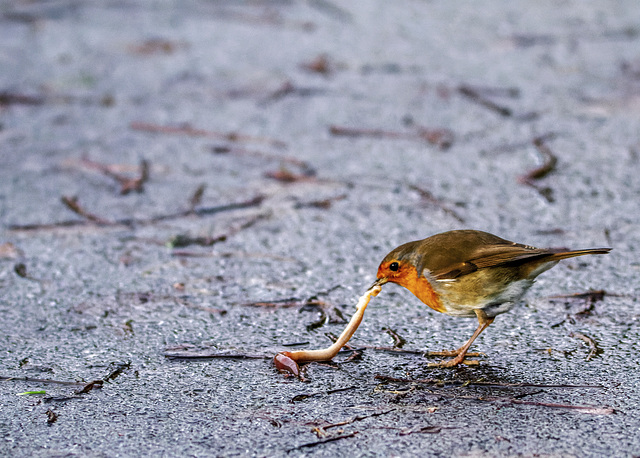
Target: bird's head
{"x": 399, "y": 266}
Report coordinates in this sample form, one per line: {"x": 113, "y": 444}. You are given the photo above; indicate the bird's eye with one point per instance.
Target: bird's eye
{"x": 394, "y": 266}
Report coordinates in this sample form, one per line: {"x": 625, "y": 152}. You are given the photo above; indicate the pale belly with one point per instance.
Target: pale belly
{"x": 492, "y": 305}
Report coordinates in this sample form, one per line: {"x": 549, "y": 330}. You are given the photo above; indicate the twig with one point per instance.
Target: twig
{"x": 429, "y": 197}
{"x": 193, "y": 132}
{"x": 90, "y": 386}
{"x": 548, "y": 165}
{"x": 549, "y": 162}
{"x": 322, "y": 203}
{"x": 488, "y": 91}
{"x": 398, "y": 341}
{"x": 119, "y": 369}
{"x": 285, "y": 303}
{"x": 20, "y": 268}
{"x": 196, "y": 198}
{"x": 391, "y": 349}
{"x": 130, "y": 222}
{"x": 323, "y": 441}
{"x": 295, "y": 301}
{"x": 269, "y": 18}
{"x": 237, "y": 151}
{"x": 590, "y": 297}
{"x": 287, "y": 89}
{"x": 155, "y": 46}
{"x": 475, "y": 95}
{"x": 591, "y": 409}
{"x": 428, "y": 429}
{"x": 212, "y": 355}
{"x": 362, "y": 132}
{"x": 507, "y": 147}
{"x": 442, "y": 138}
{"x": 40, "y": 380}
{"x": 14, "y": 98}
{"x": 594, "y": 350}
{"x": 126, "y": 184}
{"x": 595, "y": 410}
{"x": 73, "y": 205}
{"x": 321, "y": 64}
{"x": 437, "y": 382}
{"x": 321, "y": 430}
{"x": 302, "y": 397}
{"x": 285, "y": 175}
{"x": 180, "y": 241}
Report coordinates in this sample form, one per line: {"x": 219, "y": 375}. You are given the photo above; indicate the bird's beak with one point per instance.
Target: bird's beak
{"x": 379, "y": 282}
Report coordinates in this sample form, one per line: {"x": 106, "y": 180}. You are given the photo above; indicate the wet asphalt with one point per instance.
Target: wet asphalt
{"x": 187, "y": 188}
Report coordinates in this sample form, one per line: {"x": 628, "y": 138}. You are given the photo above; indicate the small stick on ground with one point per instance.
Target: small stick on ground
{"x": 14, "y": 98}
{"x": 288, "y": 89}
{"x": 595, "y": 410}
{"x": 439, "y": 382}
{"x": 181, "y": 241}
{"x": 302, "y": 397}
{"x": 475, "y": 95}
{"x": 323, "y": 441}
{"x": 90, "y": 386}
{"x": 130, "y": 222}
{"x": 442, "y": 138}
{"x": 238, "y": 151}
{"x": 323, "y": 204}
{"x": 321, "y": 64}
{"x": 488, "y": 91}
{"x": 594, "y": 350}
{"x": 73, "y": 205}
{"x": 321, "y": 430}
{"x": 398, "y": 341}
{"x": 548, "y": 165}
{"x": 40, "y": 380}
{"x": 363, "y": 132}
{"x": 430, "y": 198}
{"x": 196, "y": 198}
{"x": 119, "y": 369}
{"x": 590, "y": 298}
{"x": 188, "y": 354}
{"x": 194, "y": 132}
{"x": 285, "y": 175}
{"x": 391, "y": 349}
{"x": 126, "y": 184}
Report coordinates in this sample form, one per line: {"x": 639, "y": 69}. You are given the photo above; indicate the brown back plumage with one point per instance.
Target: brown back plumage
{"x": 455, "y": 253}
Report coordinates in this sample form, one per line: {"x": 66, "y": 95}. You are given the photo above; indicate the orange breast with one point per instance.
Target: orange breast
{"x": 422, "y": 289}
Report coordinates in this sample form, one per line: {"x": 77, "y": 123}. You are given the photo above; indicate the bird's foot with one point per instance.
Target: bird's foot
{"x": 454, "y": 362}
{"x": 453, "y": 353}
{"x": 459, "y": 358}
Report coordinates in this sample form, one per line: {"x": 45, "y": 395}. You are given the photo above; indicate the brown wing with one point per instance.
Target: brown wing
{"x": 453, "y": 254}
{"x": 493, "y": 257}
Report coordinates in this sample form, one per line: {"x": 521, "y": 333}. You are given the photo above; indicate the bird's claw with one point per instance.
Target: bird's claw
{"x": 454, "y": 353}
{"x": 453, "y": 363}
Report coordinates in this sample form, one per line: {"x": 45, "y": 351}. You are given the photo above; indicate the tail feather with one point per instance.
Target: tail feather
{"x": 561, "y": 254}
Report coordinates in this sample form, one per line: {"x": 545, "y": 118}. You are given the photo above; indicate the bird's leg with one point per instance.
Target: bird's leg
{"x": 483, "y": 322}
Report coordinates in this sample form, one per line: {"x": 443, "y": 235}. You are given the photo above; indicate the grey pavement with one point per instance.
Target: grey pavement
{"x": 289, "y": 146}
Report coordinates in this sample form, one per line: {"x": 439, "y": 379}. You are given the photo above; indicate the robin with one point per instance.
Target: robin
{"x": 469, "y": 273}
